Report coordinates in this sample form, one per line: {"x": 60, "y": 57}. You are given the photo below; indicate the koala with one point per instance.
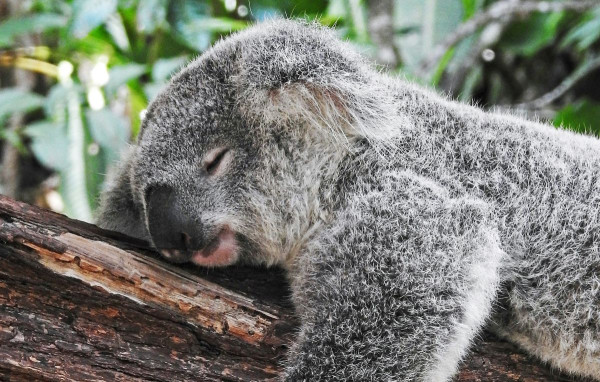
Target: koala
{"x": 405, "y": 221}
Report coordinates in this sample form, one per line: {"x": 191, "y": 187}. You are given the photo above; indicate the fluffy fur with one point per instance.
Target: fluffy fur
{"x": 404, "y": 220}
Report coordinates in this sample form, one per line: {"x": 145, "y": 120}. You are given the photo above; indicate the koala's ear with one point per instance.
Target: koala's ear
{"x": 290, "y": 71}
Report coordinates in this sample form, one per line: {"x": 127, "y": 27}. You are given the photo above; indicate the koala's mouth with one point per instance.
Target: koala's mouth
{"x": 219, "y": 252}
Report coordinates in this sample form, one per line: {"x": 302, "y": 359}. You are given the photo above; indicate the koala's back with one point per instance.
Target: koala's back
{"x": 544, "y": 187}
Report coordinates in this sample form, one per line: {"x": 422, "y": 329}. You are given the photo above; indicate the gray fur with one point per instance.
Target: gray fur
{"x": 404, "y": 219}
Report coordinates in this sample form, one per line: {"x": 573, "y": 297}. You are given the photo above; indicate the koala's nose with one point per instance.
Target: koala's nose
{"x": 170, "y": 223}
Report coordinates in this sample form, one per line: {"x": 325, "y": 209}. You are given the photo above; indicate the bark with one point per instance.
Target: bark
{"x": 80, "y": 303}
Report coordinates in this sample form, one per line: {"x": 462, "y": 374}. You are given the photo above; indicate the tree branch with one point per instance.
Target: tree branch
{"x": 580, "y": 73}
{"x": 507, "y": 10}
{"x": 80, "y": 303}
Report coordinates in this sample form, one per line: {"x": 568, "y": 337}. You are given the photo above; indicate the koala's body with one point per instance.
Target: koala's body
{"x": 405, "y": 221}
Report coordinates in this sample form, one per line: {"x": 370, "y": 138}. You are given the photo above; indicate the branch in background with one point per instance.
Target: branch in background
{"x": 490, "y": 35}
{"x": 26, "y": 63}
{"x": 381, "y": 30}
{"x": 507, "y": 11}
{"x": 10, "y": 173}
{"x": 588, "y": 67}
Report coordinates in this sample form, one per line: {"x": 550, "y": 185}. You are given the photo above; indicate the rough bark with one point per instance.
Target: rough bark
{"x": 79, "y": 303}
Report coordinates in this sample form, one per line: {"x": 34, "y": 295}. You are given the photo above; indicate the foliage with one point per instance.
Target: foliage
{"x": 100, "y": 63}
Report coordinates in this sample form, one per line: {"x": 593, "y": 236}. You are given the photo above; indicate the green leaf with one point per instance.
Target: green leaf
{"x": 358, "y": 20}
{"x": 470, "y": 7}
{"x": 14, "y": 139}
{"x": 16, "y": 100}
{"x": 56, "y": 102}
{"x": 216, "y": 24}
{"x": 151, "y": 15}
{"x": 18, "y": 26}
{"x": 439, "y": 70}
{"x": 151, "y": 90}
{"x": 74, "y": 177}
{"x": 108, "y": 130}
{"x": 116, "y": 29}
{"x": 184, "y": 16}
{"x": 137, "y": 103}
{"x": 336, "y": 9}
{"x": 463, "y": 51}
{"x": 429, "y": 23}
{"x": 88, "y": 14}
{"x": 164, "y": 68}
{"x": 95, "y": 162}
{"x": 585, "y": 33}
{"x": 583, "y": 117}
{"x": 49, "y": 143}
{"x": 528, "y": 37}
{"x": 120, "y": 75}
{"x": 197, "y": 32}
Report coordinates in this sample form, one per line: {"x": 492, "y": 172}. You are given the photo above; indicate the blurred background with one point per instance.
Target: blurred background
{"x": 77, "y": 75}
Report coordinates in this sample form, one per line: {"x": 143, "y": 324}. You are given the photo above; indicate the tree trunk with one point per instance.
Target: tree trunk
{"x": 80, "y": 303}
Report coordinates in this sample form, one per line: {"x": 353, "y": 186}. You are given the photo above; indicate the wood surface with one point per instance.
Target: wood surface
{"x": 78, "y": 303}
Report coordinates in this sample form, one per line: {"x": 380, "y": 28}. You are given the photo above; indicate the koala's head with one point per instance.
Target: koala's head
{"x": 232, "y": 156}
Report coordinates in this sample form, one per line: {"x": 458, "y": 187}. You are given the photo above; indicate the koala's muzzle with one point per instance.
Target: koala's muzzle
{"x": 173, "y": 230}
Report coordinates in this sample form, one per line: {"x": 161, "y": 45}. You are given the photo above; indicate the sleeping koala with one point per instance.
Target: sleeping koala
{"x": 405, "y": 221}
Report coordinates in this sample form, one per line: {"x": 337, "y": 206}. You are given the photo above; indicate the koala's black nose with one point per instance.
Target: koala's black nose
{"x": 170, "y": 223}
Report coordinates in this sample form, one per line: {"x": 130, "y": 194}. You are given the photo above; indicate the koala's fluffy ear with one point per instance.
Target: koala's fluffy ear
{"x": 290, "y": 71}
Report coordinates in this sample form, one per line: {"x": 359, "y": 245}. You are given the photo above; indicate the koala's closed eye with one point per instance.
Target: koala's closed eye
{"x": 216, "y": 160}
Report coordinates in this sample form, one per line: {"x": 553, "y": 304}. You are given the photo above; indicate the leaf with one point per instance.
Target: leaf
{"x": 439, "y": 70}
{"x": 151, "y": 90}
{"x": 336, "y": 9}
{"x": 18, "y": 26}
{"x": 163, "y": 68}
{"x": 184, "y": 16}
{"x": 95, "y": 168}
{"x": 16, "y": 100}
{"x": 88, "y": 14}
{"x": 470, "y": 7}
{"x": 13, "y": 137}
{"x": 260, "y": 13}
{"x": 151, "y": 15}
{"x": 528, "y": 37}
{"x": 585, "y": 33}
{"x": 49, "y": 143}
{"x": 582, "y": 116}
{"x": 197, "y": 33}
{"x": 90, "y": 45}
{"x": 56, "y": 101}
{"x": 108, "y": 130}
{"x": 137, "y": 103}
{"x": 462, "y": 52}
{"x": 358, "y": 20}
{"x": 216, "y": 24}
{"x": 120, "y": 75}
{"x": 116, "y": 29}
{"x": 74, "y": 177}
{"x": 430, "y": 22}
